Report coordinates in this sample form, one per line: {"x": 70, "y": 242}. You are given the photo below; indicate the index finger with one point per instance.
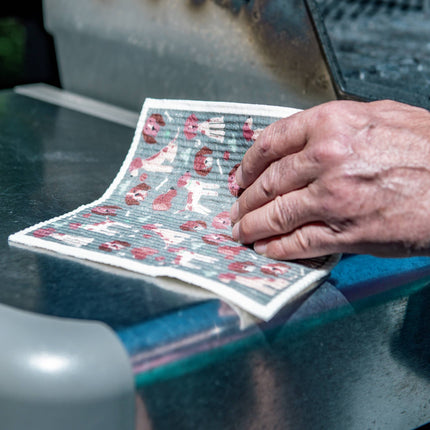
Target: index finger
{"x": 283, "y": 137}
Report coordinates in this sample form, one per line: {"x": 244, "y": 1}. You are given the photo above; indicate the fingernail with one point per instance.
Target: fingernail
{"x": 235, "y": 232}
{"x": 239, "y": 179}
{"x": 234, "y": 212}
{"x": 260, "y": 247}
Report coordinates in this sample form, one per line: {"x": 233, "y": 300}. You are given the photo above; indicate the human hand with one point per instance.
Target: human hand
{"x": 340, "y": 177}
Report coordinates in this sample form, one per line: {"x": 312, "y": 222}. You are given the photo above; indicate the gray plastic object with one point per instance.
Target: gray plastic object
{"x": 62, "y": 374}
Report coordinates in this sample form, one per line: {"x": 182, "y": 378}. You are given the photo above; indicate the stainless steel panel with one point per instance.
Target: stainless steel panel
{"x": 122, "y": 51}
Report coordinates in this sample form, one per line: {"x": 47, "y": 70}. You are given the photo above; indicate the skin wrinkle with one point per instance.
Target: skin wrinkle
{"x": 304, "y": 242}
{"x": 281, "y": 216}
{"x": 264, "y": 145}
{"x": 269, "y": 180}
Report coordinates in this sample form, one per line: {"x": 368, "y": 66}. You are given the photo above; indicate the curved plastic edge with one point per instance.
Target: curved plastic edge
{"x": 62, "y": 373}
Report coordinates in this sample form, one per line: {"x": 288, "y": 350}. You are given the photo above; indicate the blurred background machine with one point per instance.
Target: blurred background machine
{"x": 292, "y": 52}
{"x": 295, "y": 52}
{"x": 376, "y": 49}
{"x": 249, "y": 51}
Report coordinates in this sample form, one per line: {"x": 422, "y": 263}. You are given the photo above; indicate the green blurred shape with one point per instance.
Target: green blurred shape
{"x": 12, "y": 51}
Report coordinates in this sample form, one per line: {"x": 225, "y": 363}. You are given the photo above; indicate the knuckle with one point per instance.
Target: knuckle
{"x": 303, "y": 241}
{"x": 329, "y": 111}
{"x": 337, "y": 116}
{"x": 267, "y": 144}
{"x": 268, "y": 183}
{"x": 281, "y": 216}
{"x": 322, "y": 153}
{"x": 330, "y": 151}
{"x": 319, "y": 154}
{"x": 263, "y": 144}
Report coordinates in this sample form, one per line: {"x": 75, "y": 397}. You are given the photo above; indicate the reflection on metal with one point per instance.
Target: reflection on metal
{"x": 257, "y": 51}
{"x": 183, "y": 334}
{"x": 79, "y": 103}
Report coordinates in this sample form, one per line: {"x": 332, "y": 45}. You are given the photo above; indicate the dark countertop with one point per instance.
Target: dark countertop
{"x": 354, "y": 351}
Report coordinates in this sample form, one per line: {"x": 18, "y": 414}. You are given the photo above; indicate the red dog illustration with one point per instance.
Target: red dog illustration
{"x": 222, "y": 220}
{"x": 137, "y": 194}
{"x": 114, "y": 245}
{"x": 152, "y": 127}
{"x": 275, "y": 269}
{"x": 242, "y": 266}
{"x": 230, "y": 252}
{"x": 203, "y": 163}
{"x": 193, "y": 226}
